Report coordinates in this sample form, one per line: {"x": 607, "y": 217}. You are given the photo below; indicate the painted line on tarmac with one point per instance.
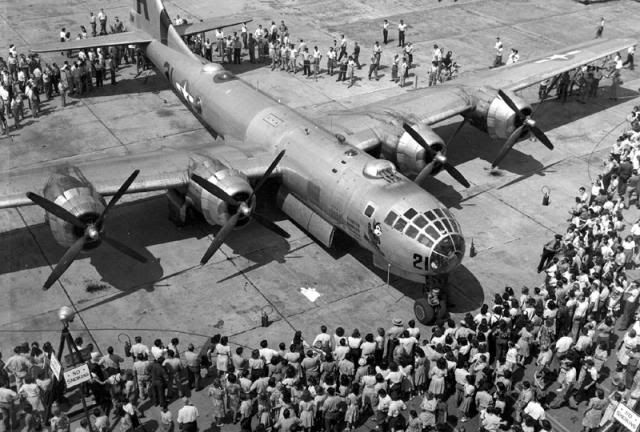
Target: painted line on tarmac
{"x": 556, "y": 423}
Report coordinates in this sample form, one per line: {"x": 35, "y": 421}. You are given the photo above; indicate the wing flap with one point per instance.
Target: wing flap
{"x": 209, "y": 24}
{"x": 126, "y": 38}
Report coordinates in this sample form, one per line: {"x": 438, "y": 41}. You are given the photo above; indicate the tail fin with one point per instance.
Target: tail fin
{"x": 151, "y": 17}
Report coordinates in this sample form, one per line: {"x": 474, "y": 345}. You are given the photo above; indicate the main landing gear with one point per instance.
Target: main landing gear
{"x": 433, "y": 306}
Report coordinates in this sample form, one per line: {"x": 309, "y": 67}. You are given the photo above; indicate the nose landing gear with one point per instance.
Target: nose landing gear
{"x": 433, "y": 306}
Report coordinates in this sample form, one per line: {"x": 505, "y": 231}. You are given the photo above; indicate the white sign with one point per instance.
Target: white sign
{"x": 310, "y": 293}
{"x": 55, "y": 366}
{"x": 77, "y": 375}
{"x": 627, "y": 417}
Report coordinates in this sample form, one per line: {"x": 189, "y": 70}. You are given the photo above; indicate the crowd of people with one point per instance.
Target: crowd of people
{"x": 274, "y": 45}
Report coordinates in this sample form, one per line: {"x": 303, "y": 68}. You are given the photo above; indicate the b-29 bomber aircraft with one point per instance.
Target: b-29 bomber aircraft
{"x": 355, "y": 178}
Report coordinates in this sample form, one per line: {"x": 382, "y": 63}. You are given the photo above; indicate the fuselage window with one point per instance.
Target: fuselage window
{"x": 400, "y": 224}
{"x": 439, "y": 226}
{"x": 411, "y": 231}
{"x": 369, "y": 210}
{"x": 391, "y": 218}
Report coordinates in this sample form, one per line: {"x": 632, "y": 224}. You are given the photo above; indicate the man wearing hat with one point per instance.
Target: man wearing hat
{"x": 394, "y": 332}
{"x": 549, "y": 251}
{"x": 188, "y": 416}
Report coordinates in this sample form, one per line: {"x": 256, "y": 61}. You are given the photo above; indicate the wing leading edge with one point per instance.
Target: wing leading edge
{"x": 209, "y": 24}
{"x": 126, "y": 38}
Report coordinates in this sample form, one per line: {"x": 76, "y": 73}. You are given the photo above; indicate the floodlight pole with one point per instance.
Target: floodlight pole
{"x": 73, "y": 348}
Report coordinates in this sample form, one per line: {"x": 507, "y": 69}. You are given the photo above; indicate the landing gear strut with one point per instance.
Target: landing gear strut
{"x": 433, "y": 306}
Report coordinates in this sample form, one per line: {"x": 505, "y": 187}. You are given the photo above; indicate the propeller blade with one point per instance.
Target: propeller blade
{"x": 56, "y": 210}
{"x": 220, "y": 238}
{"x": 460, "y": 126}
{"x": 123, "y": 248}
{"x": 426, "y": 172}
{"x": 417, "y": 137}
{"x": 508, "y": 144}
{"x": 69, "y": 256}
{"x": 214, "y": 190}
{"x": 453, "y": 172}
{"x": 116, "y": 197}
{"x": 510, "y": 103}
{"x": 267, "y": 174}
{"x": 541, "y": 137}
{"x": 270, "y": 225}
{"x": 121, "y": 192}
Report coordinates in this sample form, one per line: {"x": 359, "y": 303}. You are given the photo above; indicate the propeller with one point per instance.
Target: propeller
{"x": 437, "y": 160}
{"x": 242, "y": 209}
{"x": 527, "y": 125}
{"x": 92, "y": 231}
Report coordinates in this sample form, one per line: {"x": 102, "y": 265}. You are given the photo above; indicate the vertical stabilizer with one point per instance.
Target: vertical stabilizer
{"x": 151, "y": 17}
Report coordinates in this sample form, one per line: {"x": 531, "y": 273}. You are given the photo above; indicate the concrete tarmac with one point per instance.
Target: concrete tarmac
{"x": 256, "y": 272}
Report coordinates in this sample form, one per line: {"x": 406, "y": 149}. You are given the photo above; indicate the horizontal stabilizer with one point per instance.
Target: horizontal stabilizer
{"x": 208, "y": 25}
{"x": 126, "y": 38}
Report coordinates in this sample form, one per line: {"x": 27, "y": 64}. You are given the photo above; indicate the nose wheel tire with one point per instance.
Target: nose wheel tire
{"x": 424, "y": 312}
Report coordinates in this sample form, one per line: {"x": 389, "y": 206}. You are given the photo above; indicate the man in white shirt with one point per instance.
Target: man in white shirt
{"x": 102, "y": 18}
{"x": 385, "y": 31}
{"x": 324, "y": 339}
{"x": 535, "y": 410}
{"x": 267, "y": 353}
{"x": 499, "y": 50}
{"x": 188, "y": 417}
{"x": 139, "y": 348}
{"x": 630, "y": 55}
{"x": 402, "y": 28}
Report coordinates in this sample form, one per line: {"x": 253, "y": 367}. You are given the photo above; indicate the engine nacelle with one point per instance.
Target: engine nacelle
{"x": 409, "y": 156}
{"x": 494, "y": 116}
{"x": 233, "y": 182}
{"x": 70, "y": 189}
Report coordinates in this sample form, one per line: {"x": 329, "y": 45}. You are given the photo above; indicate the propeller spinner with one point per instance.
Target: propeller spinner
{"x": 242, "y": 209}
{"x": 527, "y": 125}
{"x": 437, "y": 160}
{"x": 92, "y": 231}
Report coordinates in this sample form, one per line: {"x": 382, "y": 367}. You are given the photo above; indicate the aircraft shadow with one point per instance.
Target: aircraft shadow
{"x": 464, "y": 291}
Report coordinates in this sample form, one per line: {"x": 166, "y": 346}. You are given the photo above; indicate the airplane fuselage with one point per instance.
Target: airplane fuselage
{"x": 347, "y": 188}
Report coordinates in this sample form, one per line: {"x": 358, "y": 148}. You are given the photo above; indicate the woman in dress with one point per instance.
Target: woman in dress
{"x": 306, "y": 408}
{"x": 428, "y": 411}
{"x": 594, "y": 412}
{"x": 353, "y": 408}
{"x": 233, "y": 390}
{"x": 369, "y": 393}
{"x": 217, "y": 395}
{"x": 438, "y": 374}
{"x": 420, "y": 372}
{"x": 223, "y": 355}
{"x": 31, "y": 392}
{"x": 466, "y": 406}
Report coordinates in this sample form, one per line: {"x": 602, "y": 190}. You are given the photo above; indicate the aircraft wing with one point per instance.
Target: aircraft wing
{"x": 159, "y": 170}
{"x": 208, "y": 25}
{"x": 524, "y": 74}
{"x": 125, "y": 38}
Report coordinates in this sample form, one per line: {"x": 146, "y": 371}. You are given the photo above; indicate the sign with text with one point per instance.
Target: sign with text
{"x": 627, "y": 417}
{"x": 55, "y": 366}
{"x": 77, "y": 375}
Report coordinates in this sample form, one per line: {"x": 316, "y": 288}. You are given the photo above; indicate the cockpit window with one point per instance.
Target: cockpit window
{"x": 369, "y": 210}
{"x": 391, "y": 218}
{"x": 425, "y": 240}
{"x": 400, "y": 224}
{"x": 430, "y": 215}
{"x": 411, "y": 231}
{"x": 409, "y": 214}
{"x": 439, "y": 226}
{"x": 447, "y": 224}
{"x": 420, "y": 221}
{"x": 431, "y": 231}
{"x": 439, "y": 212}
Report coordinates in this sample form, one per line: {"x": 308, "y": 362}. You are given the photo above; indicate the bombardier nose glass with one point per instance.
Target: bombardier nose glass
{"x": 447, "y": 252}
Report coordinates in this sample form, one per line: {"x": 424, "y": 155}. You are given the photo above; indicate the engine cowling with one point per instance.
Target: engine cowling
{"x": 70, "y": 189}
{"x": 494, "y": 116}
{"x": 409, "y": 156}
{"x": 233, "y": 182}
